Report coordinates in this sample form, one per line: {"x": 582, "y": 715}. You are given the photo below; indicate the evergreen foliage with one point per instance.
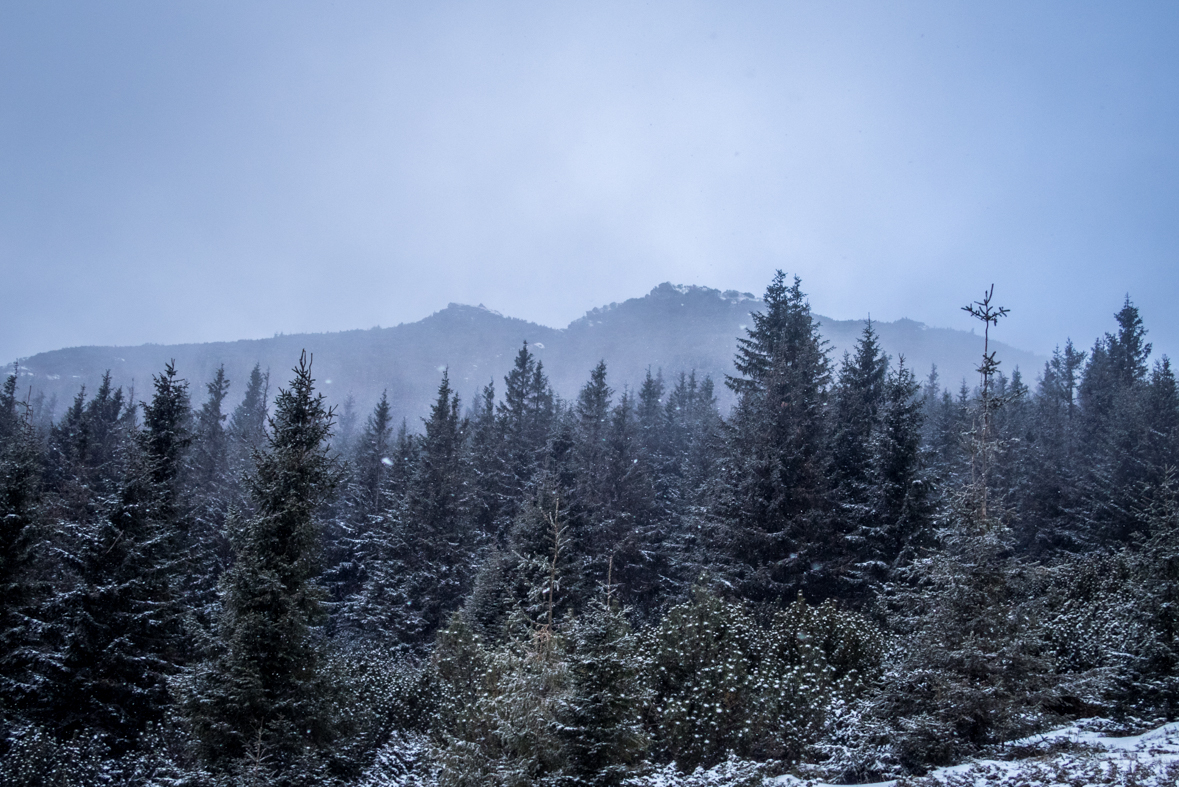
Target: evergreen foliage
{"x": 724, "y": 683}
{"x": 604, "y": 591}
{"x": 265, "y": 694}
{"x": 776, "y": 501}
{"x": 106, "y": 636}
{"x": 20, "y": 493}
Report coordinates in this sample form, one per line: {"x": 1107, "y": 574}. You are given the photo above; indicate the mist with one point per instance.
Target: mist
{"x": 214, "y": 172}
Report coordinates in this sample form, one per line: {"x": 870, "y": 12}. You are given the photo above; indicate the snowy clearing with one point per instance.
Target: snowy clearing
{"x": 1080, "y": 754}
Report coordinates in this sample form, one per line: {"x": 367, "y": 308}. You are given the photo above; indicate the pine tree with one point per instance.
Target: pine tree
{"x": 265, "y": 692}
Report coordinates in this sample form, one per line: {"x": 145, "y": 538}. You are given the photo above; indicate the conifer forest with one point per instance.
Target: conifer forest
{"x": 861, "y": 572}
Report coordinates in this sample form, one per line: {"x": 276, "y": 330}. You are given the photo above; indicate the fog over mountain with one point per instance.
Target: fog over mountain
{"x": 672, "y": 329}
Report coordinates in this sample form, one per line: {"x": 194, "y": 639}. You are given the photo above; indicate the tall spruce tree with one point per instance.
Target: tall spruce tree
{"x": 372, "y": 508}
{"x": 775, "y": 484}
{"x": 856, "y": 402}
{"x": 370, "y": 489}
{"x": 167, "y": 438}
{"x": 901, "y": 505}
{"x": 265, "y": 694}
{"x": 486, "y": 494}
{"x": 985, "y": 444}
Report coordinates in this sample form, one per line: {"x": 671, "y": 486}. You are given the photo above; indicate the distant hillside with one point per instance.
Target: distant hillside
{"x": 673, "y": 328}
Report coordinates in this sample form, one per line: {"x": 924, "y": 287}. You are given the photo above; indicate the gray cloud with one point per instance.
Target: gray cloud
{"x": 214, "y": 172}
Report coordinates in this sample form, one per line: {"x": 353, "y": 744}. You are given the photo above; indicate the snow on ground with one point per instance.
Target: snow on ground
{"x": 1073, "y": 756}
{"x": 1076, "y": 756}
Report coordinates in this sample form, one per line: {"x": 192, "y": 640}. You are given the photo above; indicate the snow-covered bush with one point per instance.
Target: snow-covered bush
{"x": 559, "y": 706}
{"x": 730, "y": 772}
{"x": 970, "y": 665}
{"x": 1114, "y": 627}
{"x": 406, "y": 760}
{"x": 32, "y": 757}
{"x": 723, "y": 683}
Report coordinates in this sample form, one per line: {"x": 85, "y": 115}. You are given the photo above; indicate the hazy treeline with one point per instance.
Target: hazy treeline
{"x": 856, "y": 573}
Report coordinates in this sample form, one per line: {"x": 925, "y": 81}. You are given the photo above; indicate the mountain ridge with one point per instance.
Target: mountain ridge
{"x": 672, "y": 329}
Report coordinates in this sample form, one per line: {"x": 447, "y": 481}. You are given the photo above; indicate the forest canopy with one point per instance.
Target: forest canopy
{"x": 857, "y": 573}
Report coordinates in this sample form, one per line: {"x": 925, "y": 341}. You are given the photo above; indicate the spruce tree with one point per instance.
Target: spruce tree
{"x": 20, "y": 499}
{"x": 1112, "y": 393}
{"x": 775, "y": 483}
{"x": 857, "y": 402}
{"x": 427, "y": 562}
{"x": 1049, "y": 514}
{"x": 210, "y": 456}
{"x": 108, "y": 633}
{"x": 265, "y": 694}
{"x": 901, "y": 505}
{"x": 167, "y": 433}
{"x": 630, "y": 557}
{"x": 526, "y": 416}
{"x": 985, "y": 443}
{"x": 371, "y": 506}
{"x": 600, "y": 728}
{"x": 1160, "y": 414}
{"x": 210, "y": 489}
{"x": 372, "y": 462}
{"x": 167, "y": 439}
{"x": 487, "y": 498}
{"x": 695, "y": 441}
{"x": 246, "y": 433}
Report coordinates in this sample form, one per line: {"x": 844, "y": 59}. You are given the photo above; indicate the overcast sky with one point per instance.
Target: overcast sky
{"x": 200, "y": 171}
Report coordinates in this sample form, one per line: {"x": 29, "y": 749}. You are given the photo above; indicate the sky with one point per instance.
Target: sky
{"x": 207, "y": 171}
